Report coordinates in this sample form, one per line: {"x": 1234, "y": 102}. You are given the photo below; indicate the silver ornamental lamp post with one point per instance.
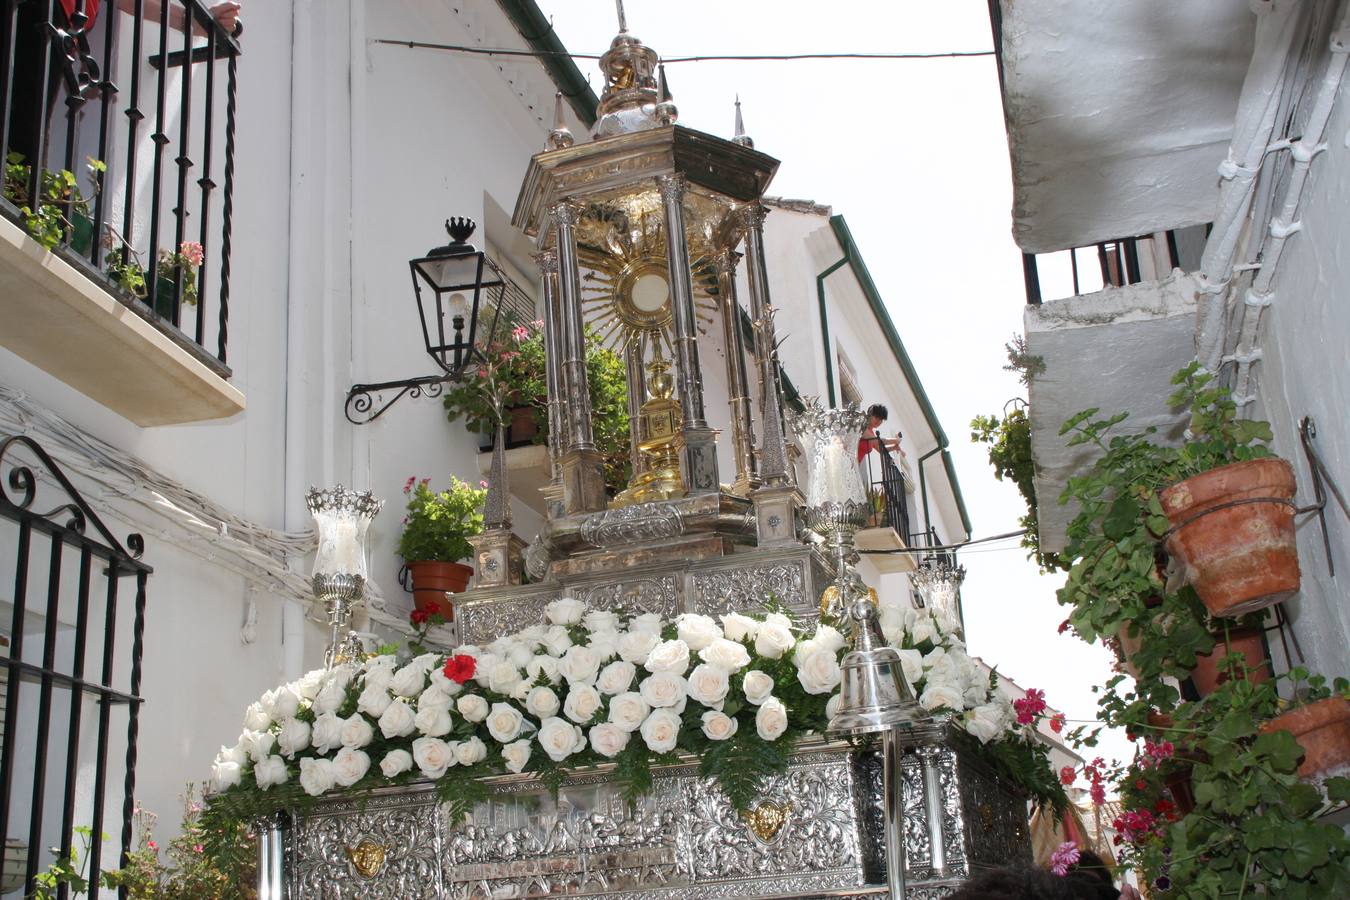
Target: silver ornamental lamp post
{"x": 938, "y": 584}
{"x": 340, "y": 570}
{"x": 873, "y": 694}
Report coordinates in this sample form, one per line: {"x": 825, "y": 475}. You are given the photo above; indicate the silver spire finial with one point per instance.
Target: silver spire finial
{"x": 666, "y": 113}
{"x": 623, "y": 20}
{"x": 741, "y": 137}
{"x": 560, "y": 138}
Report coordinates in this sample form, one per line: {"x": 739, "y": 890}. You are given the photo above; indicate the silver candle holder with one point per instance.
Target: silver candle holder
{"x": 340, "y": 570}
{"x": 836, "y": 500}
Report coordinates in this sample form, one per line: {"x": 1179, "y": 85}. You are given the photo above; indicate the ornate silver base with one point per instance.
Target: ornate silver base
{"x": 817, "y": 831}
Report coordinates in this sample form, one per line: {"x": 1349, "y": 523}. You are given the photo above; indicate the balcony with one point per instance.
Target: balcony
{"x": 115, "y": 223}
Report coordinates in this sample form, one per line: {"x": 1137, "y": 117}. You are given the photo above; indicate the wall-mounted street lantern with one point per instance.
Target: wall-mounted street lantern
{"x": 456, "y": 286}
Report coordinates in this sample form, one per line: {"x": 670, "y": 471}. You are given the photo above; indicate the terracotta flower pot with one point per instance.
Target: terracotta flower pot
{"x": 1239, "y": 558}
{"x": 1323, "y": 730}
{"x": 1249, "y": 643}
{"x": 432, "y": 581}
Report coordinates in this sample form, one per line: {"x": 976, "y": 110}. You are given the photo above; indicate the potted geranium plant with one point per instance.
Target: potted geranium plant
{"x": 436, "y": 532}
{"x": 186, "y": 260}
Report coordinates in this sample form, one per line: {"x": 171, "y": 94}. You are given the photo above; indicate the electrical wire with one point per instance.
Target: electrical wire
{"x": 734, "y": 57}
{"x": 939, "y": 547}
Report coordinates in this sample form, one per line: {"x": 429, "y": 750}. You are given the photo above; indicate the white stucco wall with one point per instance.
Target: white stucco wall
{"x": 1306, "y": 371}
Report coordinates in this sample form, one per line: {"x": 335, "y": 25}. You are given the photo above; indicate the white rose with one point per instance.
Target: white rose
{"x": 285, "y": 704}
{"x": 774, "y": 638}
{"x": 708, "y": 684}
{"x": 269, "y": 771}
{"x": 605, "y": 644}
{"x": 326, "y": 733}
{"x": 350, "y": 766}
{"x": 911, "y": 664}
{"x": 818, "y": 671}
{"x": 718, "y": 726}
{"x": 516, "y": 754}
{"x": 432, "y": 756}
{"x": 533, "y": 634}
{"x": 636, "y": 646}
{"x": 225, "y": 774}
{"x": 541, "y": 702}
{"x": 504, "y": 722}
{"x": 628, "y": 710}
{"x": 356, "y": 731}
{"x": 663, "y": 689}
{"x": 829, "y": 638}
{"x": 473, "y": 707}
{"x": 739, "y": 628}
{"x": 579, "y": 665}
{"x": 374, "y": 700}
{"x": 697, "y": 631}
{"x": 379, "y": 677}
{"x": 502, "y": 646}
{"x": 647, "y": 622}
{"x": 600, "y": 620}
{"x": 942, "y": 667}
{"x": 661, "y": 731}
{"x": 441, "y": 683}
{"x": 984, "y": 722}
{"x": 256, "y": 718}
{"x": 565, "y": 611}
{"x": 317, "y": 775}
{"x": 482, "y": 670}
{"x": 293, "y": 737}
{"x": 583, "y": 701}
{"x": 757, "y": 685}
{"x": 832, "y": 706}
{"x": 409, "y": 680}
{"x": 428, "y": 661}
{"x": 434, "y": 696}
{"x": 469, "y": 752}
{"x": 433, "y": 721}
{"x": 521, "y": 691}
{"x": 942, "y": 694}
{"x": 503, "y": 677}
{"x": 330, "y": 697}
{"x": 730, "y": 656}
{"x": 557, "y": 640}
{"x": 609, "y": 739}
{"x": 236, "y": 754}
{"x": 468, "y": 650}
{"x": 257, "y": 744}
{"x": 771, "y": 719}
{"x": 560, "y": 738}
{"x": 308, "y": 685}
{"x": 520, "y": 654}
{"x": 923, "y": 630}
{"x": 669, "y": 656}
{"x": 396, "y": 762}
{"x": 546, "y": 666}
{"x": 398, "y": 720}
{"x": 616, "y": 677}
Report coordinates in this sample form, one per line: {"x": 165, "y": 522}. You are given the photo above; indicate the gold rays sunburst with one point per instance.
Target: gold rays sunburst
{"x": 623, "y": 261}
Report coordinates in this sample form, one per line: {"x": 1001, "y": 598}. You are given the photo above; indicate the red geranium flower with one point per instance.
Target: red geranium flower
{"x": 460, "y": 669}
{"x": 1066, "y": 775}
{"x": 420, "y": 617}
{"x": 1057, "y": 723}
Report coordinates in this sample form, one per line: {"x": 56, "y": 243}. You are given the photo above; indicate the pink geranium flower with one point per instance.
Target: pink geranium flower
{"x": 1065, "y": 855}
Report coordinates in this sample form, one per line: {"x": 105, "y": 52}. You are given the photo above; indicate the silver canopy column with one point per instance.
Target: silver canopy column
{"x": 776, "y": 500}
{"x": 583, "y": 470}
{"x": 738, "y": 384}
{"x": 547, "y": 260}
{"x": 698, "y": 457}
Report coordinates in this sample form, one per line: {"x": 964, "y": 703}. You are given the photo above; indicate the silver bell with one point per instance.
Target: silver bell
{"x": 873, "y": 693}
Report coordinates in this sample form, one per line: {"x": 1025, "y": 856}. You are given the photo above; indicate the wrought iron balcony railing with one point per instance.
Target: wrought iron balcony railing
{"x": 117, "y": 124}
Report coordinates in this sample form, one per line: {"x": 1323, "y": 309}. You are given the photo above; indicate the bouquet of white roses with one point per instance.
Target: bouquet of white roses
{"x": 588, "y": 686}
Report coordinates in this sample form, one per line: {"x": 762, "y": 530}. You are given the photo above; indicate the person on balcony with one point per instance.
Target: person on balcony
{"x": 870, "y": 440}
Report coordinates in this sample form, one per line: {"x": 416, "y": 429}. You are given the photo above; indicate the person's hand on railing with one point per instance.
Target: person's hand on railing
{"x": 226, "y": 16}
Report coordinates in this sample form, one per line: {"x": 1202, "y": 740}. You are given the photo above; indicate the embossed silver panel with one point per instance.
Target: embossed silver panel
{"x": 680, "y": 843}
{"x": 746, "y": 588}
{"x": 633, "y": 524}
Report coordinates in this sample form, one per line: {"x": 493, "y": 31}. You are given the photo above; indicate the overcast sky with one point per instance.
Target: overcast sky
{"x": 913, "y": 154}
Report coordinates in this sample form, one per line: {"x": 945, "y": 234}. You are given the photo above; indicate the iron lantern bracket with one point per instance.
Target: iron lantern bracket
{"x": 362, "y": 398}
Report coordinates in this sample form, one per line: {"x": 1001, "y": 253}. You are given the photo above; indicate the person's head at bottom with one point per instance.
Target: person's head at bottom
{"x": 1026, "y": 883}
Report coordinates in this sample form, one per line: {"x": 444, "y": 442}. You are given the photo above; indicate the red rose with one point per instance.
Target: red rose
{"x": 460, "y": 669}
{"x": 420, "y": 617}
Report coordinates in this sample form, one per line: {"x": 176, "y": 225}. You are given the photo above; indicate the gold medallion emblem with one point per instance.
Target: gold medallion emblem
{"x": 367, "y": 857}
{"x": 767, "y": 819}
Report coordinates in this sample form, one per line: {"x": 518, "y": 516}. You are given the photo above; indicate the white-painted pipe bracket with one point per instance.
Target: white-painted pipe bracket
{"x": 1281, "y": 229}
{"x": 1244, "y": 399}
{"x": 1208, "y": 287}
{"x": 1340, "y": 40}
{"x": 1304, "y": 152}
{"x": 1229, "y": 170}
{"x": 1245, "y": 359}
{"x": 1258, "y": 299}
